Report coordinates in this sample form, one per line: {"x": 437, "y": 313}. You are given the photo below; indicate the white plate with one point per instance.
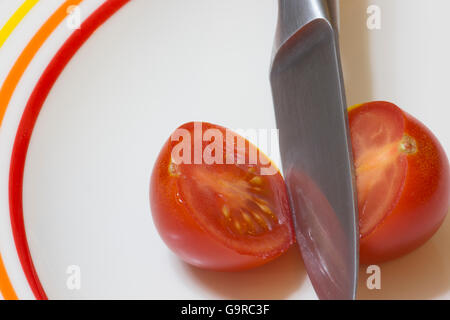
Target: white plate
{"x": 153, "y": 66}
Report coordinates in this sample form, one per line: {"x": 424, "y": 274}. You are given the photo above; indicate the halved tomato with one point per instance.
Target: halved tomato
{"x": 214, "y": 205}
{"x": 402, "y": 177}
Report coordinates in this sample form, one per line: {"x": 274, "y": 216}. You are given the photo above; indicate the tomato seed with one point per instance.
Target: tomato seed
{"x": 256, "y": 181}
{"x": 226, "y": 211}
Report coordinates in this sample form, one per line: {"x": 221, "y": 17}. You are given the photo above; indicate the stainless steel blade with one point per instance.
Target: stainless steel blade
{"x": 311, "y": 115}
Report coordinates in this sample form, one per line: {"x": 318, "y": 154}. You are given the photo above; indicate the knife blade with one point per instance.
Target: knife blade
{"x": 311, "y": 115}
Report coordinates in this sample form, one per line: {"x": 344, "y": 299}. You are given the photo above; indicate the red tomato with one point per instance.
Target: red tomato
{"x": 220, "y": 215}
{"x": 402, "y": 178}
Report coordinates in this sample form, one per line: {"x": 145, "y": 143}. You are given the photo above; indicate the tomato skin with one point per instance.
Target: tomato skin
{"x": 171, "y": 218}
{"x": 424, "y": 200}
{"x": 182, "y": 233}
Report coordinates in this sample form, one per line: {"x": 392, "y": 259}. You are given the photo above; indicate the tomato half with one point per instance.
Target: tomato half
{"x": 224, "y": 212}
{"x": 402, "y": 177}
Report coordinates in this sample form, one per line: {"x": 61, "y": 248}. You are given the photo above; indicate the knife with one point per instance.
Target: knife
{"x": 311, "y": 115}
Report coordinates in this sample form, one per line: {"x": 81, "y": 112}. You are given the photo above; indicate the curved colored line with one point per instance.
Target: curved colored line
{"x": 6, "y": 287}
{"x": 29, "y": 52}
{"x": 26, "y": 126}
{"x": 13, "y": 78}
{"x": 15, "y": 19}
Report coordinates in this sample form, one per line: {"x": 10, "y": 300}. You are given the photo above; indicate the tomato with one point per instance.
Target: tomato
{"x": 402, "y": 179}
{"x": 214, "y": 204}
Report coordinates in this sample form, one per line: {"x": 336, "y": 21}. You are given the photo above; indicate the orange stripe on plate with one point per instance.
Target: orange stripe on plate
{"x": 6, "y": 287}
{"x": 10, "y": 85}
{"x": 29, "y": 52}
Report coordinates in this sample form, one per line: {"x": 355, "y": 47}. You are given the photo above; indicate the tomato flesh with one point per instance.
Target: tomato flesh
{"x": 380, "y": 165}
{"x": 402, "y": 179}
{"x": 236, "y": 205}
{"x": 202, "y": 209}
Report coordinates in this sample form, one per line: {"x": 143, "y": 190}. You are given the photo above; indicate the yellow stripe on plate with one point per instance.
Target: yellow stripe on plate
{"x": 15, "y": 19}
{"x": 6, "y": 288}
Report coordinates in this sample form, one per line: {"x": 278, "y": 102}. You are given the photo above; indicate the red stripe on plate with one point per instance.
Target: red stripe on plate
{"x": 25, "y": 130}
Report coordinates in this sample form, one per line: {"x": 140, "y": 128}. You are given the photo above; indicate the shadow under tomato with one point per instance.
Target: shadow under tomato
{"x": 275, "y": 280}
{"x": 422, "y": 274}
